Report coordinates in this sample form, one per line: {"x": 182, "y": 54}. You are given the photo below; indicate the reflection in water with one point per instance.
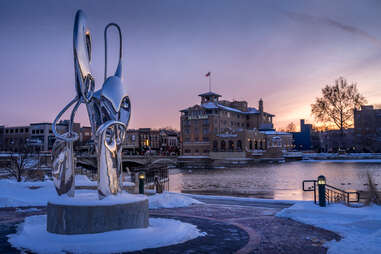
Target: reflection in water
{"x": 277, "y": 181}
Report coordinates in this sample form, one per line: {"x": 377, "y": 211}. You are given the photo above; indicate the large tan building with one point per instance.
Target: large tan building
{"x": 223, "y": 126}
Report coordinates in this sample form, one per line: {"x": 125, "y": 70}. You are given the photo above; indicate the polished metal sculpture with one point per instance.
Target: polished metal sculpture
{"x": 109, "y": 112}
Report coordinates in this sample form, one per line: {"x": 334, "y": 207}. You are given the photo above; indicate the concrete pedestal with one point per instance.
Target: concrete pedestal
{"x": 71, "y": 216}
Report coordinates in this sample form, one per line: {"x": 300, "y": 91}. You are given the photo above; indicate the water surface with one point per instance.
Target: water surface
{"x": 277, "y": 181}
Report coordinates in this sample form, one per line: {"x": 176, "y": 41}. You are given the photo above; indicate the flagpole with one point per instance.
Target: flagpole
{"x": 210, "y": 82}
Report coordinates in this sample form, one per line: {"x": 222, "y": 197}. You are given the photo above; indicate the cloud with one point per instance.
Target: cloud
{"x": 333, "y": 23}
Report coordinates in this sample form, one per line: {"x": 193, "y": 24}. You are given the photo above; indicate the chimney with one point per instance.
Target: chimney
{"x": 260, "y": 105}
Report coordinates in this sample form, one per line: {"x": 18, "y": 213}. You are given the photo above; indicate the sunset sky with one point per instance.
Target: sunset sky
{"x": 281, "y": 51}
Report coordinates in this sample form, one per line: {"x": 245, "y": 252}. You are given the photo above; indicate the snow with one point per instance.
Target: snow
{"x": 209, "y": 105}
{"x": 275, "y": 133}
{"x": 359, "y": 227}
{"x": 339, "y": 160}
{"x": 90, "y": 198}
{"x": 83, "y": 180}
{"x": 193, "y": 157}
{"x": 256, "y": 200}
{"x": 18, "y": 194}
{"x": 21, "y": 194}
{"x": 170, "y": 200}
{"x": 161, "y": 232}
{"x": 28, "y": 210}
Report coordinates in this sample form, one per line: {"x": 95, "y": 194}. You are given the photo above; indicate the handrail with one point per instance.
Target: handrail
{"x": 332, "y": 193}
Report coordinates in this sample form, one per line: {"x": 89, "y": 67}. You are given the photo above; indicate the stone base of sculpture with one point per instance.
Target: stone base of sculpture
{"x": 87, "y": 215}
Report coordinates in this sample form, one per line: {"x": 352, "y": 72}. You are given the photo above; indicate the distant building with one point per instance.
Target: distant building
{"x": 2, "y": 132}
{"x": 84, "y": 135}
{"x": 223, "y": 126}
{"x": 303, "y": 139}
{"x": 367, "y": 128}
{"x": 169, "y": 140}
{"x": 161, "y": 141}
{"x": 36, "y": 137}
{"x": 367, "y": 121}
{"x": 15, "y": 138}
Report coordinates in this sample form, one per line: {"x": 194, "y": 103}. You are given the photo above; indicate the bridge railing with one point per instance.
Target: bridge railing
{"x": 332, "y": 194}
{"x": 151, "y": 173}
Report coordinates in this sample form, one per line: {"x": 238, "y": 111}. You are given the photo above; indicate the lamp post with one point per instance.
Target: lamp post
{"x": 321, "y": 185}
{"x": 141, "y": 177}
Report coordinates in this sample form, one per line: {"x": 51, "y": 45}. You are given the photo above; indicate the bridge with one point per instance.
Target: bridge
{"x": 130, "y": 161}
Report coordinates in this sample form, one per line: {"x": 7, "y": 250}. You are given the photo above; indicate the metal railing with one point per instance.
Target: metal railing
{"x": 332, "y": 194}
{"x": 161, "y": 172}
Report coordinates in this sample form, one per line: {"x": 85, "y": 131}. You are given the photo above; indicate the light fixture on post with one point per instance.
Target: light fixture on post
{"x": 321, "y": 185}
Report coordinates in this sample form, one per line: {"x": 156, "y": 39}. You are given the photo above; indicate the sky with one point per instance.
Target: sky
{"x": 281, "y": 51}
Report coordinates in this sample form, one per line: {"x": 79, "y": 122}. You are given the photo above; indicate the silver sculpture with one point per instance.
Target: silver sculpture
{"x": 109, "y": 113}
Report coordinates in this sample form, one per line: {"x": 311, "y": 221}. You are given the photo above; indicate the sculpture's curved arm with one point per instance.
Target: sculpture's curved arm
{"x": 109, "y": 138}
{"x": 118, "y": 71}
{"x": 74, "y": 136}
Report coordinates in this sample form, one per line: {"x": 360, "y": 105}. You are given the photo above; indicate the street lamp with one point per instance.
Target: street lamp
{"x": 142, "y": 177}
{"x": 321, "y": 185}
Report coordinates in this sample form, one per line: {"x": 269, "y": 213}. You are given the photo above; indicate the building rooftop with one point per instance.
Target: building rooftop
{"x": 208, "y": 94}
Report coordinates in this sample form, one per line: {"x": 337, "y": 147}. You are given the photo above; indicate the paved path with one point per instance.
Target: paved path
{"x": 231, "y": 227}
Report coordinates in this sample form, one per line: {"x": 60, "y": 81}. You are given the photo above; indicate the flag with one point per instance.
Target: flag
{"x": 208, "y": 74}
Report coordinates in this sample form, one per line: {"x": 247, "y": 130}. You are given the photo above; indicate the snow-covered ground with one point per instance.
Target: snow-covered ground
{"x": 21, "y": 194}
{"x": 359, "y": 227}
{"x": 170, "y": 200}
{"x": 258, "y": 200}
{"x": 161, "y": 232}
{"x": 83, "y": 180}
{"x": 348, "y": 156}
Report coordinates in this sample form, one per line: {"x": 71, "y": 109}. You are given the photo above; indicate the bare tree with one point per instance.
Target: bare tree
{"x": 18, "y": 164}
{"x": 337, "y": 104}
{"x": 291, "y": 127}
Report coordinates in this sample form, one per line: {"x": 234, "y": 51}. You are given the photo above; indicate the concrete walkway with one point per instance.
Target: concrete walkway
{"x": 231, "y": 226}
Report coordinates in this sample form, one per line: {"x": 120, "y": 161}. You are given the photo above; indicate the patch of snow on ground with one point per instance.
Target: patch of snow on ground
{"x": 161, "y": 232}
{"x": 359, "y": 227}
{"x": 33, "y": 209}
{"x": 170, "y": 200}
{"x": 83, "y": 180}
{"x": 256, "y": 200}
{"x": 19, "y": 194}
{"x": 15, "y": 193}
{"x": 90, "y": 198}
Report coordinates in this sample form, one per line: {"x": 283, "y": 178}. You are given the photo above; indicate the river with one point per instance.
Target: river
{"x": 275, "y": 181}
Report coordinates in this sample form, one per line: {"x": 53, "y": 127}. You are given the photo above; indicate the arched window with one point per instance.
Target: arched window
{"x": 231, "y": 145}
{"x": 251, "y": 145}
{"x": 223, "y": 145}
{"x": 239, "y": 145}
{"x": 215, "y": 146}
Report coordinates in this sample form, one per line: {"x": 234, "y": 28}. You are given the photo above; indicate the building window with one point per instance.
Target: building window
{"x": 215, "y": 146}
{"x": 223, "y": 145}
{"x": 251, "y": 145}
{"x": 231, "y": 145}
{"x": 239, "y": 145}
{"x": 256, "y": 144}
{"x": 187, "y": 151}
